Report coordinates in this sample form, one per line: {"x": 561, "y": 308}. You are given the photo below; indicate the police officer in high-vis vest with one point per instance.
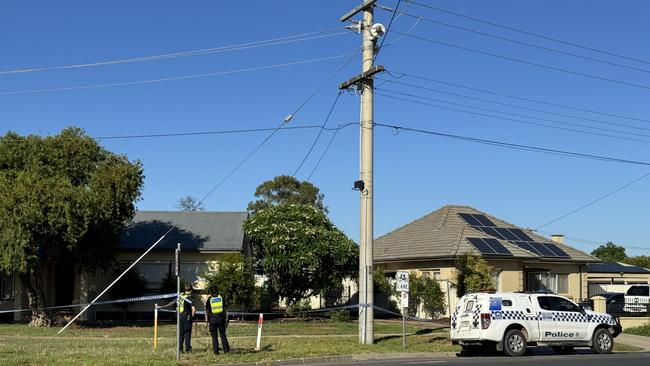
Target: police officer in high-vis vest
{"x": 215, "y": 316}
{"x": 186, "y": 311}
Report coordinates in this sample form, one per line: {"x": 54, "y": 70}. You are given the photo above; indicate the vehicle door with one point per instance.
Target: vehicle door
{"x": 570, "y": 320}
{"x": 468, "y": 322}
{"x": 545, "y": 318}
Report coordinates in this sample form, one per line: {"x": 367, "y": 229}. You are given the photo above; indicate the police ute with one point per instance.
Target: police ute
{"x": 510, "y": 322}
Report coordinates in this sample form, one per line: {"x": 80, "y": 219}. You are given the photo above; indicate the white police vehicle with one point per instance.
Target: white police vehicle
{"x": 512, "y": 321}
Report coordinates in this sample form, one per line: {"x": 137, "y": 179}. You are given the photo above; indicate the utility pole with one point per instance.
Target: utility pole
{"x": 364, "y": 85}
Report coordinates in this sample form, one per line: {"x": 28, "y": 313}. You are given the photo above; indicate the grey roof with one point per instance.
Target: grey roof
{"x": 615, "y": 268}
{"x": 196, "y": 231}
{"x": 442, "y": 234}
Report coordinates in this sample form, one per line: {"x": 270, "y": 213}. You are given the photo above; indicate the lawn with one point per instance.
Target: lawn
{"x": 20, "y": 344}
{"x": 643, "y": 330}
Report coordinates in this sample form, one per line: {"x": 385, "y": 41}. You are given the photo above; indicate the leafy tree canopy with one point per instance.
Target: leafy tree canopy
{"x": 285, "y": 189}
{"x": 300, "y": 250}
{"x": 233, "y": 278}
{"x": 62, "y": 198}
{"x": 639, "y": 260}
{"x": 190, "y": 203}
{"x": 426, "y": 292}
{"x": 473, "y": 274}
{"x": 610, "y": 252}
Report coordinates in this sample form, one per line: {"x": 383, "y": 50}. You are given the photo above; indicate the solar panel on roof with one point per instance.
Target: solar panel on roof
{"x": 506, "y": 233}
{"x": 469, "y": 219}
{"x": 484, "y": 220}
{"x": 556, "y": 250}
{"x": 521, "y": 235}
{"x": 490, "y": 231}
{"x": 526, "y": 246}
{"x": 543, "y": 249}
{"x": 481, "y": 246}
{"x": 498, "y": 247}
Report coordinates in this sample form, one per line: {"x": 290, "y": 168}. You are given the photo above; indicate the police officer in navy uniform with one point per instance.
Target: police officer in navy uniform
{"x": 186, "y": 311}
{"x": 216, "y": 318}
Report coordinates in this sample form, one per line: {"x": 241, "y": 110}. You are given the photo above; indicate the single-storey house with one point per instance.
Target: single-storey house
{"x": 204, "y": 238}
{"x": 614, "y": 277}
{"x": 522, "y": 259}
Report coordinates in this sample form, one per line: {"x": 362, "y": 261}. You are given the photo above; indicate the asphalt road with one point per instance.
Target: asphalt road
{"x": 530, "y": 359}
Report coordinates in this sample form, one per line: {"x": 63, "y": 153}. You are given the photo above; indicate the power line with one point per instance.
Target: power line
{"x": 390, "y": 23}
{"x": 248, "y": 156}
{"x": 593, "y": 201}
{"x": 323, "y": 154}
{"x": 465, "y": 29}
{"x": 508, "y": 145}
{"x": 515, "y": 106}
{"x": 286, "y": 120}
{"x": 501, "y": 117}
{"x": 525, "y": 62}
{"x": 519, "y": 30}
{"x": 492, "y": 92}
{"x": 338, "y": 95}
{"x": 593, "y": 242}
{"x": 184, "y": 77}
{"x": 236, "y": 47}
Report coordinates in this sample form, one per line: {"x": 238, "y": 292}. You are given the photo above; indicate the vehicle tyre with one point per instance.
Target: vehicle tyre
{"x": 514, "y": 343}
{"x": 562, "y": 350}
{"x": 602, "y": 341}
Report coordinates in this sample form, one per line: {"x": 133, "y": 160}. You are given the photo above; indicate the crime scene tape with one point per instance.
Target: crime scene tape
{"x": 106, "y": 302}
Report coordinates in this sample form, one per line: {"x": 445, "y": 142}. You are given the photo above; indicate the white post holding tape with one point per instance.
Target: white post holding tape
{"x": 258, "y": 345}
{"x": 107, "y": 288}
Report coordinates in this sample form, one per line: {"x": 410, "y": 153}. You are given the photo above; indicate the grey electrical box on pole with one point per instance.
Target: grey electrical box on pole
{"x": 178, "y": 297}
{"x": 364, "y": 85}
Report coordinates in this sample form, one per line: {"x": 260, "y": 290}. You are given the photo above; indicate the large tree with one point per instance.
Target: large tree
{"x": 233, "y": 278}
{"x": 285, "y": 189}
{"x": 639, "y": 260}
{"x": 300, "y": 251}
{"x": 610, "y": 252}
{"x": 63, "y": 198}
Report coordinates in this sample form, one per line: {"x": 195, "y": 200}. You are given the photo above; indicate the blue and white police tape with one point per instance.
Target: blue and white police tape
{"x": 106, "y": 302}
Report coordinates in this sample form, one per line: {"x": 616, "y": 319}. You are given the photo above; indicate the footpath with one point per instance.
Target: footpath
{"x": 634, "y": 340}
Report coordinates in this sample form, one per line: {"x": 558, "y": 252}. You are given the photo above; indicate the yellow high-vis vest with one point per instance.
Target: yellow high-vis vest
{"x": 216, "y": 304}
{"x": 181, "y": 302}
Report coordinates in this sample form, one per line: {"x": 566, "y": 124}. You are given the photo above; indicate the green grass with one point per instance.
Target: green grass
{"x": 23, "y": 345}
{"x": 643, "y": 330}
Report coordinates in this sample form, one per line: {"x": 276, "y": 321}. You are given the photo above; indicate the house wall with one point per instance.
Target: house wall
{"x": 155, "y": 266}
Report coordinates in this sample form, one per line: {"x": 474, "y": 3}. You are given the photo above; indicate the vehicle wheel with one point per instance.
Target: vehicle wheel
{"x": 514, "y": 343}
{"x": 562, "y": 350}
{"x": 602, "y": 341}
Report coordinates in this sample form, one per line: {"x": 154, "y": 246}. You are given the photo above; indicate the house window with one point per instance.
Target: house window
{"x": 434, "y": 274}
{"x": 6, "y": 286}
{"x": 546, "y": 281}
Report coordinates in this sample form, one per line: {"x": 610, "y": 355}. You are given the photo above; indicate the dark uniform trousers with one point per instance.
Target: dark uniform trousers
{"x": 218, "y": 325}
{"x": 186, "y": 332}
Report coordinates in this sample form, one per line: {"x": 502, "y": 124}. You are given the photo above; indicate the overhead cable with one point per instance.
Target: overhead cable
{"x": 600, "y": 198}
{"x": 538, "y": 35}
{"x": 203, "y": 51}
{"x": 508, "y": 145}
{"x": 175, "y": 78}
{"x": 492, "y": 92}
{"x": 525, "y": 62}
{"x": 501, "y": 117}
{"x": 527, "y": 44}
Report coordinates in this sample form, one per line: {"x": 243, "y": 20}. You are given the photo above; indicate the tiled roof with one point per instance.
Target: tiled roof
{"x": 196, "y": 231}
{"x": 615, "y": 268}
{"x": 443, "y": 234}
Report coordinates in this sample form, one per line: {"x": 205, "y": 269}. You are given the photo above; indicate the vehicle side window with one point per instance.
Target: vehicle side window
{"x": 544, "y": 302}
{"x": 633, "y": 291}
{"x": 469, "y": 305}
{"x": 561, "y": 304}
{"x": 506, "y": 302}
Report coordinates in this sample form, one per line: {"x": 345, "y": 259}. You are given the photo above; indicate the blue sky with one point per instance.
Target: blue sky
{"x": 414, "y": 174}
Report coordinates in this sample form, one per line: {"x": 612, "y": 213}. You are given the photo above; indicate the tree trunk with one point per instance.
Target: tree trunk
{"x": 32, "y": 284}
